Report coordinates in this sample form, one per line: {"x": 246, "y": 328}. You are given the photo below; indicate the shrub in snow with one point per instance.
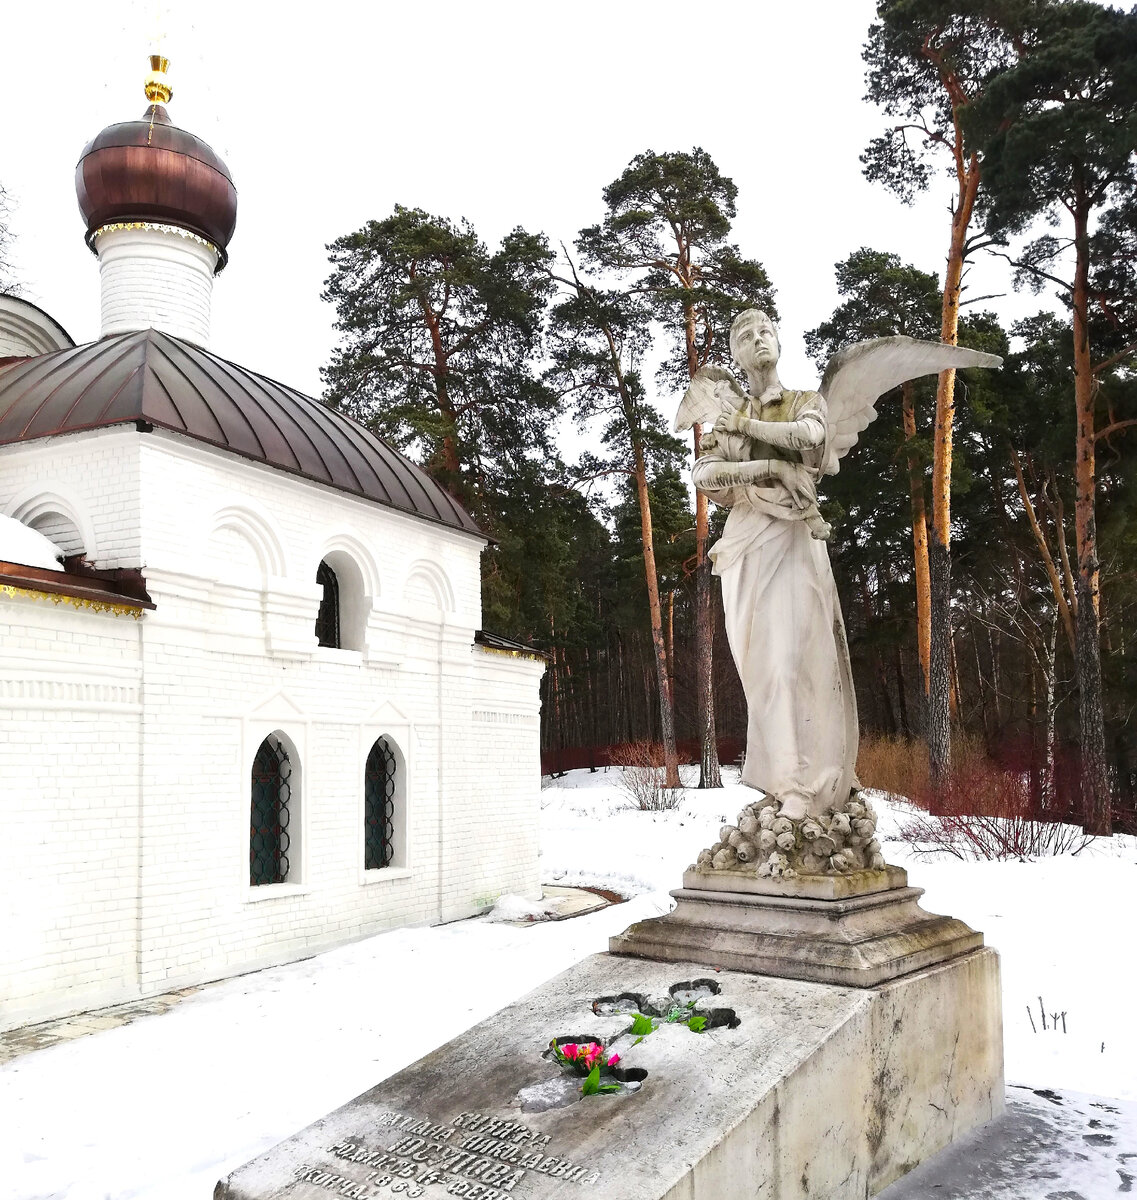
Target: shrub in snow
{"x": 985, "y": 812}
{"x": 981, "y": 811}
{"x": 642, "y": 776}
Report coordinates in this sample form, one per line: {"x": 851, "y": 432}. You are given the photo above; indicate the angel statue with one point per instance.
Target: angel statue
{"x": 763, "y": 457}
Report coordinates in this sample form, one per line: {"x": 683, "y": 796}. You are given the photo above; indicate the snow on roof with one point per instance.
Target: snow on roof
{"x": 26, "y": 546}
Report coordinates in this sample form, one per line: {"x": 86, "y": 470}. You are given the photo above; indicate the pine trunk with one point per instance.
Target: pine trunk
{"x": 710, "y": 775}
{"x": 1096, "y": 799}
{"x": 1051, "y": 708}
{"x": 940, "y": 690}
{"x": 666, "y": 711}
{"x": 919, "y": 544}
{"x": 938, "y": 716}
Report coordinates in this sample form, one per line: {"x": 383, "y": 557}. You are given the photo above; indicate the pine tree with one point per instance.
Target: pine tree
{"x": 1058, "y": 133}
{"x": 928, "y": 61}
{"x": 597, "y": 340}
{"x": 438, "y": 340}
{"x": 882, "y": 298}
{"x": 666, "y": 229}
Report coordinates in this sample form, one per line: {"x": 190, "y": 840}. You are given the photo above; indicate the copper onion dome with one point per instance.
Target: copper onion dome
{"x": 150, "y": 170}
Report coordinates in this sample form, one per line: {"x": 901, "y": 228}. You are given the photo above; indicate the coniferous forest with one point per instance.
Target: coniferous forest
{"x": 985, "y": 528}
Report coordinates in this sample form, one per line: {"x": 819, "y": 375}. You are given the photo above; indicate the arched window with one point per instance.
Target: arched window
{"x": 328, "y": 618}
{"x": 379, "y": 783}
{"x": 271, "y": 796}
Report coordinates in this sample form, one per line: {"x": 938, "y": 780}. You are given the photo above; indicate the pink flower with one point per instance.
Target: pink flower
{"x": 613, "y": 1059}
{"x": 570, "y": 1050}
{"x": 591, "y": 1053}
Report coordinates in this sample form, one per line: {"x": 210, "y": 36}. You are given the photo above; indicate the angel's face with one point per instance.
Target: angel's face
{"x": 754, "y": 343}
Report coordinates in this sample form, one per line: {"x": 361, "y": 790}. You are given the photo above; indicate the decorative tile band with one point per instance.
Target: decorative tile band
{"x": 175, "y": 229}
{"x": 61, "y": 693}
{"x": 504, "y": 718}
{"x": 99, "y": 606}
{"x": 512, "y": 653}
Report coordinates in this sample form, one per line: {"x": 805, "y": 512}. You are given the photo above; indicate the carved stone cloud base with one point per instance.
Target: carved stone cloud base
{"x": 857, "y": 935}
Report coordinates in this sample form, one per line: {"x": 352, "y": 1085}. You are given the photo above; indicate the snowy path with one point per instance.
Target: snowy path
{"x": 161, "y": 1108}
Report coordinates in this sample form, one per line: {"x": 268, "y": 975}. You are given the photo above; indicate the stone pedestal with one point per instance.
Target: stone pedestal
{"x": 859, "y": 930}
{"x": 794, "y": 1091}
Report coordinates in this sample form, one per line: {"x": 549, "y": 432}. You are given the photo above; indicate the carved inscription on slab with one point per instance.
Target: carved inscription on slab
{"x": 477, "y": 1156}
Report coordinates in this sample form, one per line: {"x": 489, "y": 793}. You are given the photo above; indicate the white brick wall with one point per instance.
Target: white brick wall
{"x": 154, "y": 786}
{"x": 155, "y": 275}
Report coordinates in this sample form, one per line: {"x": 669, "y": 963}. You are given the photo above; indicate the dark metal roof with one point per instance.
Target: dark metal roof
{"x": 153, "y": 379}
{"x": 150, "y": 170}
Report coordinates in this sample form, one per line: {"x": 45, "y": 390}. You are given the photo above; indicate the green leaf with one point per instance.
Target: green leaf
{"x": 697, "y": 1024}
{"x": 592, "y": 1084}
{"x": 642, "y": 1025}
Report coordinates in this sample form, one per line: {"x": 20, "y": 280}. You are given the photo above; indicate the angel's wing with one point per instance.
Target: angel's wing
{"x": 700, "y": 405}
{"x": 859, "y": 375}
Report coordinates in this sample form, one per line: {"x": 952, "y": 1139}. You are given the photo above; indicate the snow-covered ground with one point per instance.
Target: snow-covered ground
{"x": 161, "y": 1108}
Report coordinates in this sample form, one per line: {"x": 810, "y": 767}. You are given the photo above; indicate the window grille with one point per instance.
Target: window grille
{"x": 379, "y": 806}
{"x": 328, "y": 618}
{"x": 268, "y": 836}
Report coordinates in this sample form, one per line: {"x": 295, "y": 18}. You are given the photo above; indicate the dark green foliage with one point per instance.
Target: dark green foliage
{"x": 666, "y": 231}
{"x": 597, "y": 341}
{"x": 1060, "y": 126}
{"x": 1113, "y": 252}
{"x": 882, "y": 298}
{"x": 552, "y": 553}
{"x": 438, "y": 336}
{"x": 928, "y": 60}
{"x": 674, "y": 536}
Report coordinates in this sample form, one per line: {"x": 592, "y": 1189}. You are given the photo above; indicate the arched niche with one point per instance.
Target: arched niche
{"x": 428, "y": 586}
{"x": 244, "y": 546}
{"x": 59, "y": 516}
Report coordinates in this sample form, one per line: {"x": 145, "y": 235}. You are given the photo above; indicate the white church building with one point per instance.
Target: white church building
{"x": 249, "y": 713}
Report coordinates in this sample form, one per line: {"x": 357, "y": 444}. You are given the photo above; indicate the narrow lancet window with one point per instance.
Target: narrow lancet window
{"x": 379, "y": 777}
{"x": 271, "y": 794}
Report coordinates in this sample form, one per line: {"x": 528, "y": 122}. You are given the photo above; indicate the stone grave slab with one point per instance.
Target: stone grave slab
{"x": 792, "y": 1090}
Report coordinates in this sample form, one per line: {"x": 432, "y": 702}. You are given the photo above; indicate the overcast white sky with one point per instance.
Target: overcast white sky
{"x": 505, "y": 113}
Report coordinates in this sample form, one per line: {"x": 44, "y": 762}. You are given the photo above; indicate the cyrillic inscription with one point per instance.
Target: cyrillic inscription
{"x": 477, "y": 1156}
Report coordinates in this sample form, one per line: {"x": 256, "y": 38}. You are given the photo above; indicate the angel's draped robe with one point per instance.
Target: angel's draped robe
{"x": 783, "y": 618}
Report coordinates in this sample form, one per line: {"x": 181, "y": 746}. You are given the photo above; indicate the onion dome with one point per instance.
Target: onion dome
{"x": 151, "y": 172}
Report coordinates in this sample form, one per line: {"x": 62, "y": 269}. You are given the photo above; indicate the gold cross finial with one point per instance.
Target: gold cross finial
{"x": 158, "y": 90}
